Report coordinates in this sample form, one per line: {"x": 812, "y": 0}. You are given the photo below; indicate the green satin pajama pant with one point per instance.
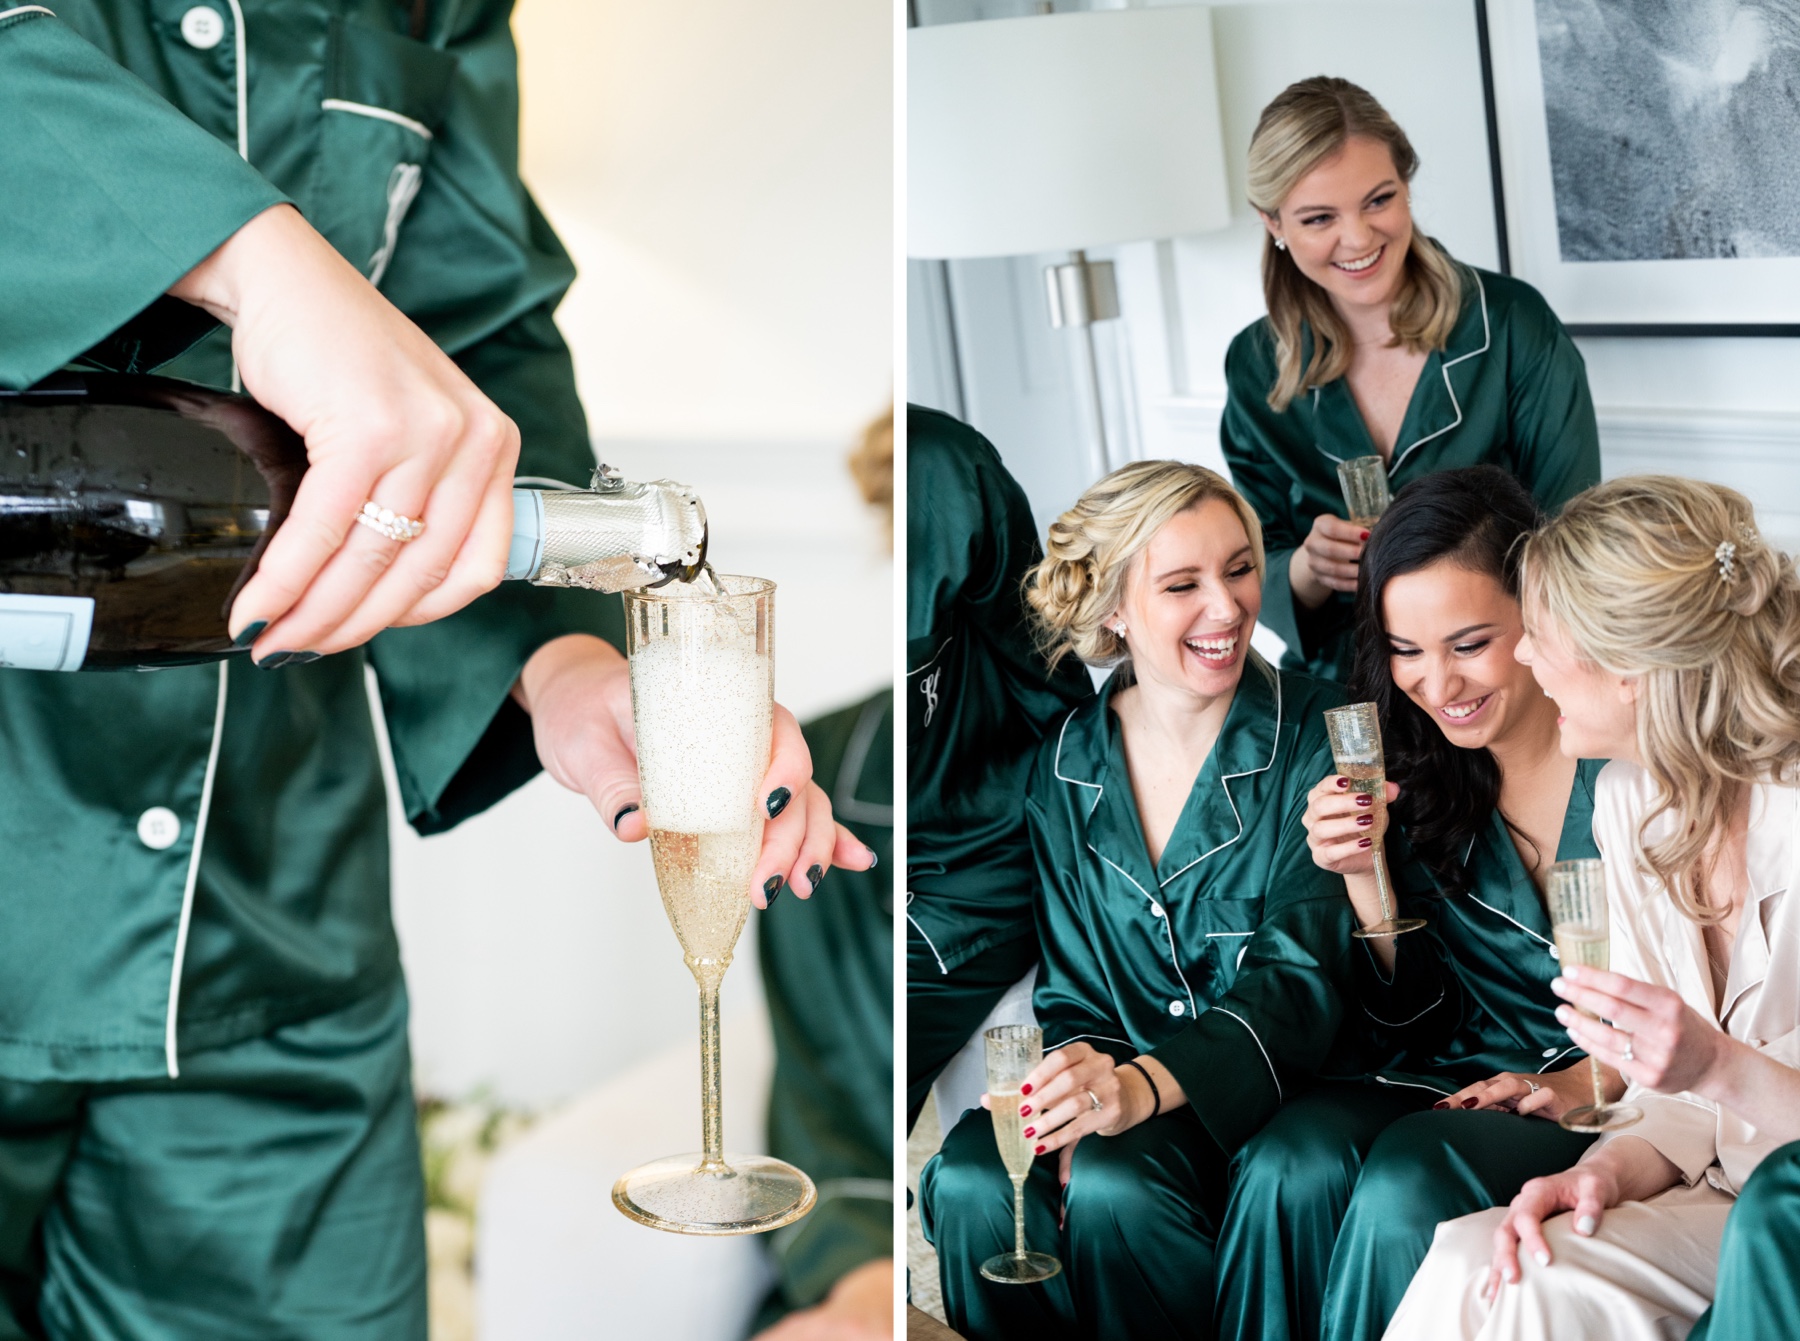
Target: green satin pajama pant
{"x": 1430, "y": 1167}
{"x": 273, "y": 1191}
{"x": 1142, "y": 1211}
{"x": 1334, "y": 1204}
{"x": 1758, "y": 1293}
{"x": 943, "y": 1009}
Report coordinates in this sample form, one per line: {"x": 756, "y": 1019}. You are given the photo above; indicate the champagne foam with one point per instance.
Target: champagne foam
{"x": 703, "y": 719}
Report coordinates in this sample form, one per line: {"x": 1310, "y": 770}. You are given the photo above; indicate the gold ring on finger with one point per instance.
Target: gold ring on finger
{"x": 389, "y": 523}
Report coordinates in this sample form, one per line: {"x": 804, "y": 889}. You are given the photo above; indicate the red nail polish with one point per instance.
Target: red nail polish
{"x": 1024, "y": 1089}
{"x": 1365, "y": 535}
{"x": 1365, "y": 800}
{"x": 1040, "y": 1150}
{"x": 1441, "y": 1103}
{"x": 1024, "y": 1110}
{"x": 1365, "y": 820}
{"x": 1365, "y": 842}
{"x": 1343, "y": 782}
{"x": 1031, "y": 1131}
{"x": 1470, "y": 1103}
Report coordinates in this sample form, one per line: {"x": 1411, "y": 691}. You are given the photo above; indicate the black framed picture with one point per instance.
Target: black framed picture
{"x": 1646, "y": 158}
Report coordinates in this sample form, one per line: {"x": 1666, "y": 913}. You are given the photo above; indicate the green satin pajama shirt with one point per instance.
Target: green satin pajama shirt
{"x": 1335, "y": 1202}
{"x": 1509, "y": 389}
{"x": 194, "y": 863}
{"x": 1758, "y": 1290}
{"x": 978, "y": 697}
{"x": 828, "y": 968}
{"x": 1228, "y": 960}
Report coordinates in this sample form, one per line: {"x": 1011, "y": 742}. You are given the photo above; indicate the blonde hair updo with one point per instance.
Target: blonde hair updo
{"x": 1306, "y": 124}
{"x": 1081, "y": 581}
{"x": 1668, "y": 580}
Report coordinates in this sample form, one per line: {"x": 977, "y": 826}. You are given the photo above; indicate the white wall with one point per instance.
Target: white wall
{"x": 722, "y": 174}
{"x": 1727, "y": 409}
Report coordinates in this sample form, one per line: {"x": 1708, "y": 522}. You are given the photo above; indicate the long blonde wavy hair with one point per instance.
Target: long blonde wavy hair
{"x": 1636, "y": 576}
{"x": 1088, "y": 555}
{"x": 1306, "y": 124}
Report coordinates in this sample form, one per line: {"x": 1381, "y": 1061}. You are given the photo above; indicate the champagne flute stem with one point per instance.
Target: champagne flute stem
{"x": 712, "y": 1116}
{"x": 1383, "y": 884}
{"x": 1018, "y": 1182}
{"x": 1599, "y": 1093}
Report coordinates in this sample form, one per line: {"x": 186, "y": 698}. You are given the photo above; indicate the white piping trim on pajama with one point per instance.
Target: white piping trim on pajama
{"x": 1052, "y": 1047}
{"x": 25, "y": 9}
{"x": 1279, "y": 1093}
{"x": 1559, "y": 1056}
{"x": 239, "y": 45}
{"x": 1411, "y": 1085}
{"x": 922, "y": 936}
{"x": 418, "y": 128}
{"x": 1395, "y": 1024}
{"x": 1520, "y": 925}
{"x": 193, "y": 873}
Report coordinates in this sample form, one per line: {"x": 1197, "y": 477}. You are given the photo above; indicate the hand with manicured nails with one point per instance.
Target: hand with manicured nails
{"x": 577, "y": 689}
{"x": 1556, "y": 1092}
{"x": 1672, "y": 1047}
{"x": 386, "y": 416}
{"x": 1342, "y": 827}
{"x": 1326, "y": 560}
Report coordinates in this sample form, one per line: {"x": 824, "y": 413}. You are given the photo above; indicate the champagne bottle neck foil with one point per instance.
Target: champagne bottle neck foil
{"x": 616, "y": 536}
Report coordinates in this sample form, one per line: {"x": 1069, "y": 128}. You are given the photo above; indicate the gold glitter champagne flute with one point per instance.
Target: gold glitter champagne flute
{"x": 1013, "y": 1052}
{"x": 1364, "y": 480}
{"x": 1355, "y": 733}
{"x": 1576, "y": 893}
{"x": 702, "y": 705}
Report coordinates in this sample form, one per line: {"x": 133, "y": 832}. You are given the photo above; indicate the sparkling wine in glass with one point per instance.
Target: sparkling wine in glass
{"x": 1577, "y": 897}
{"x": 1013, "y": 1052}
{"x": 702, "y": 696}
{"x": 1355, "y": 733}
{"x": 1365, "y": 483}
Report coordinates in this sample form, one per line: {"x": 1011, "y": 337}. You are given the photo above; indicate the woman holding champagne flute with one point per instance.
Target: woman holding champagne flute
{"x": 1192, "y": 951}
{"x": 1353, "y": 1179}
{"x": 1668, "y": 633}
{"x": 1377, "y": 343}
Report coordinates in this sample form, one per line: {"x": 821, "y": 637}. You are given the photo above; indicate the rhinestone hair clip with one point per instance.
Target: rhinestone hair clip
{"x": 1726, "y": 557}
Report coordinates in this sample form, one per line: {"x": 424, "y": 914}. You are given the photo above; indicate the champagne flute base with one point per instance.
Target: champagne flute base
{"x": 751, "y": 1194}
{"x": 1020, "y": 1268}
{"x": 1393, "y": 926}
{"x": 1606, "y": 1117}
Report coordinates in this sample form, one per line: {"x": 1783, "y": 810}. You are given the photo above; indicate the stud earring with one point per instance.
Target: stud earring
{"x": 1280, "y": 244}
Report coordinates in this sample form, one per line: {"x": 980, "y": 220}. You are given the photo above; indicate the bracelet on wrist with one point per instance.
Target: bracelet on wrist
{"x": 1155, "y": 1094}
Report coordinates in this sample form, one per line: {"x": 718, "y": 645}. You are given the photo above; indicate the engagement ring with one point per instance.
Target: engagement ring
{"x": 390, "y": 523}
{"x": 1094, "y": 1100}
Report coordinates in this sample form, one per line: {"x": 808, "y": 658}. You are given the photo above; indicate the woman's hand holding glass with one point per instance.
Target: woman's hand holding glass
{"x": 1060, "y": 1111}
{"x": 1547, "y": 1094}
{"x": 1326, "y": 561}
{"x": 578, "y": 691}
{"x": 1672, "y": 1047}
{"x": 1342, "y": 828}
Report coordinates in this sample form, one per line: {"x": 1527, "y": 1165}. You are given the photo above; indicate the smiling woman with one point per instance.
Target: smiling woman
{"x": 1193, "y": 955}
{"x": 1376, "y": 343}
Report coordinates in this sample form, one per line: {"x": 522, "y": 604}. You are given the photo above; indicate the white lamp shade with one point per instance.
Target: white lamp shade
{"x": 1062, "y": 131}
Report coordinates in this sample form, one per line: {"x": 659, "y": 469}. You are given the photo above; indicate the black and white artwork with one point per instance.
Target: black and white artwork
{"x": 1648, "y": 157}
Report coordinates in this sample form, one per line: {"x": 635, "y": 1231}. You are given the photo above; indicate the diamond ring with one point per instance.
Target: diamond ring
{"x": 389, "y": 523}
{"x": 1094, "y": 1100}
{"x": 1626, "y": 1055}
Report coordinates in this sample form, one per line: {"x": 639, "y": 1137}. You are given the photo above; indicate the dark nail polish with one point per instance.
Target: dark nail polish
{"x": 1024, "y": 1089}
{"x": 623, "y": 812}
{"x": 252, "y": 631}
{"x": 778, "y": 800}
{"x": 1030, "y": 1132}
{"x": 1343, "y": 782}
{"x": 1441, "y": 1103}
{"x": 278, "y": 659}
{"x": 1470, "y": 1103}
{"x": 1365, "y": 535}
{"x": 1365, "y": 842}
{"x": 1365, "y": 800}
{"x": 771, "y": 888}
{"x": 1365, "y": 820}
{"x": 1040, "y": 1150}
{"x": 814, "y": 874}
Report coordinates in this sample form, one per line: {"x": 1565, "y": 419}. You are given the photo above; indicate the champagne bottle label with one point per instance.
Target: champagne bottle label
{"x": 44, "y": 632}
